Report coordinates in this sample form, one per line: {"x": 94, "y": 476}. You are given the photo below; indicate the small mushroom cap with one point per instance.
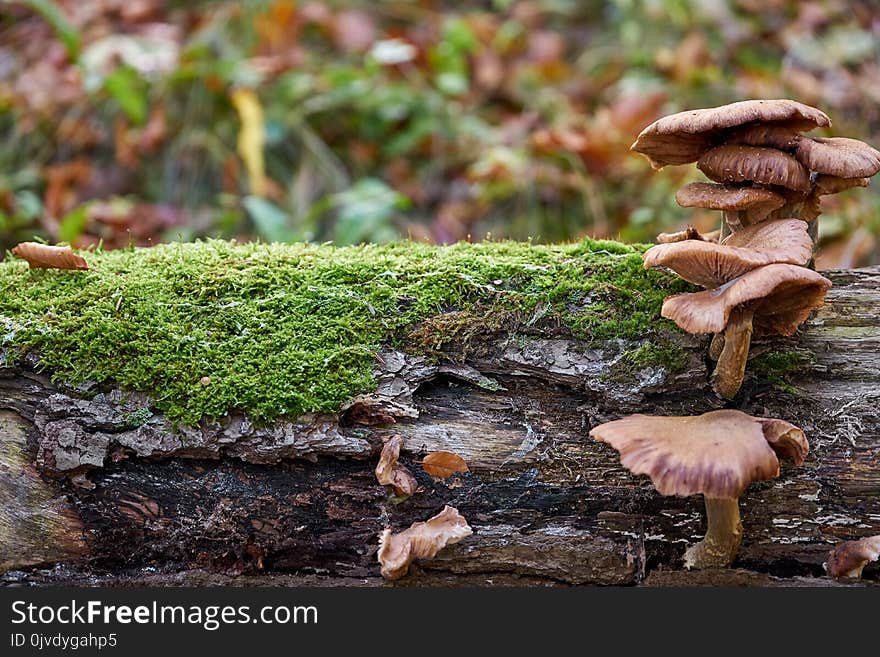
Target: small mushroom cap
{"x": 774, "y": 135}
{"x": 717, "y": 454}
{"x": 758, "y": 201}
{"x": 782, "y": 296}
{"x": 767, "y": 166}
{"x": 849, "y": 558}
{"x": 710, "y": 265}
{"x": 681, "y": 138}
{"x": 787, "y": 440}
{"x": 838, "y": 156}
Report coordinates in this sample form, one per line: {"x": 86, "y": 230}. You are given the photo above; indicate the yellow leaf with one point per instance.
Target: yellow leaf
{"x": 251, "y": 138}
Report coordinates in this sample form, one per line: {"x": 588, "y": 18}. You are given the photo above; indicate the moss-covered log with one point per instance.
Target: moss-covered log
{"x": 205, "y": 412}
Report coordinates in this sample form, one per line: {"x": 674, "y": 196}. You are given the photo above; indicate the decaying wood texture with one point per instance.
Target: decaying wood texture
{"x": 95, "y": 490}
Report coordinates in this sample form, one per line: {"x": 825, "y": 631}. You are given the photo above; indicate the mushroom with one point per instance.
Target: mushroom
{"x": 767, "y": 166}
{"x": 683, "y": 137}
{"x": 422, "y": 540}
{"x": 848, "y": 559}
{"x": 838, "y": 156}
{"x": 770, "y": 300}
{"x": 391, "y": 473}
{"x": 717, "y": 454}
{"x": 710, "y": 264}
{"x": 742, "y": 206}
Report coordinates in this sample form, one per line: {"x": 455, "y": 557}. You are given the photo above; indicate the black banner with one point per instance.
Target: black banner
{"x": 387, "y": 620}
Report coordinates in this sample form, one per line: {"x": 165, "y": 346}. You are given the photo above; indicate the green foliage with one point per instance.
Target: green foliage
{"x": 286, "y": 329}
{"x": 63, "y": 29}
{"x": 439, "y": 103}
{"x": 129, "y": 91}
{"x": 73, "y": 224}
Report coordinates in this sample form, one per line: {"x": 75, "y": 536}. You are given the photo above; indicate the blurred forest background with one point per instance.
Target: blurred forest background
{"x": 137, "y": 121}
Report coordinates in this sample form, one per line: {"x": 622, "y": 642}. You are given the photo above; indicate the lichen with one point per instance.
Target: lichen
{"x": 210, "y": 327}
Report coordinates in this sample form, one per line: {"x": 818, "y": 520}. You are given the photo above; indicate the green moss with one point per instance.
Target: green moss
{"x": 653, "y": 354}
{"x": 782, "y": 362}
{"x": 777, "y": 366}
{"x": 286, "y": 329}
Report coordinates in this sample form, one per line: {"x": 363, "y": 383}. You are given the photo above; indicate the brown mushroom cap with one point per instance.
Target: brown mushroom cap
{"x": 849, "y": 558}
{"x": 787, "y": 440}
{"x": 838, "y": 156}
{"x": 717, "y": 454}
{"x": 767, "y": 166}
{"x": 757, "y": 201}
{"x": 781, "y": 296}
{"x": 774, "y": 135}
{"x": 710, "y": 265}
{"x": 681, "y": 138}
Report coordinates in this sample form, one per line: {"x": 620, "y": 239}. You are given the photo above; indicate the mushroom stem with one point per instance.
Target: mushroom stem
{"x": 719, "y": 547}
{"x": 731, "y": 368}
{"x": 733, "y": 221}
{"x": 716, "y": 346}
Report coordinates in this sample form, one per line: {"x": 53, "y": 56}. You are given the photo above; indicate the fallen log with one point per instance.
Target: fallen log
{"x": 100, "y": 485}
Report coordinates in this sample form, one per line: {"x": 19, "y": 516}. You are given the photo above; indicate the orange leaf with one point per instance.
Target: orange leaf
{"x": 43, "y": 256}
{"x": 443, "y": 464}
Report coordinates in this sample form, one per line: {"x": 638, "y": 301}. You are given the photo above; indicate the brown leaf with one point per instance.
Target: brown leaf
{"x": 43, "y": 256}
{"x": 423, "y": 540}
{"x": 443, "y": 464}
{"x": 390, "y": 473}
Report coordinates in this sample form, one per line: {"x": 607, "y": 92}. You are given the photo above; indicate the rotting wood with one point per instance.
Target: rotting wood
{"x": 127, "y": 497}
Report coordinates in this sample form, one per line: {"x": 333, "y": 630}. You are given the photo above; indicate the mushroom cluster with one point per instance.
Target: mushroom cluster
{"x": 762, "y": 166}
{"x": 755, "y": 283}
{"x": 768, "y": 178}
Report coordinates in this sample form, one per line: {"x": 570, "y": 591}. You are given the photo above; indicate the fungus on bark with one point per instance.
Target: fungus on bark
{"x": 717, "y": 454}
{"x": 391, "y": 473}
{"x": 710, "y": 264}
{"x": 848, "y": 559}
{"x": 423, "y": 540}
{"x": 770, "y": 300}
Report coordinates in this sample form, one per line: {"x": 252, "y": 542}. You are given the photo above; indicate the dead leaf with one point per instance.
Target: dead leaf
{"x": 43, "y": 256}
{"x": 689, "y": 233}
{"x": 390, "y": 473}
{"x": 423, "y": 540}
{"x": 443, "y": 464}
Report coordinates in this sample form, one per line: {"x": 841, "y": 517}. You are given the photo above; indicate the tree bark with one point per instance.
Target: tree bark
{"x": 97, "y": 490}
